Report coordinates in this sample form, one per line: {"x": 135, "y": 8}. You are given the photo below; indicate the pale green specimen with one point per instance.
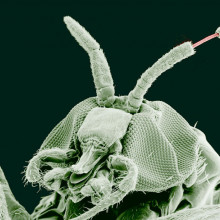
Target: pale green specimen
{"x": 3, "y": 205}
{"x": 154, "y": 138}
{"x": 108, "y": 147}
{"x": 166, "y": 62}
{"x": 10, "y": 209}
{"x": 209, "y": 212}
{"x": 100, "y": 69}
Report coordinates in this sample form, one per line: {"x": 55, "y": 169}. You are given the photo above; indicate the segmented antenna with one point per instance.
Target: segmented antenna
{"x": 99, "y": 65}
{"x": 167, "y": 61}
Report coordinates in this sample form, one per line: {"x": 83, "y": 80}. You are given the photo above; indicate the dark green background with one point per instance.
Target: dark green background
{"x": 44, "y": 72}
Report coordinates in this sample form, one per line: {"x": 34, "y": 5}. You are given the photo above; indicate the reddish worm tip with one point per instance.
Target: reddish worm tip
{"x": 205, "y": 39}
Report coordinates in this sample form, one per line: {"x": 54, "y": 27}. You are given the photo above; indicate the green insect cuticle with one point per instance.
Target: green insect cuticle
{"x": 109, "y": 146}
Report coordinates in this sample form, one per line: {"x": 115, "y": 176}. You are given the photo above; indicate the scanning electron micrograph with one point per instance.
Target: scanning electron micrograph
{"x": 122, "y": 156}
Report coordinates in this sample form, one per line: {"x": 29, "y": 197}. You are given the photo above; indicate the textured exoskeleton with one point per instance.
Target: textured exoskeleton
{"x": 108, "y": 146}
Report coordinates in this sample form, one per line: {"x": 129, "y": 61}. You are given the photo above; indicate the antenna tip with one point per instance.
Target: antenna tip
{"x": 218, "y": 31}
{"x": 67, "y": 19}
